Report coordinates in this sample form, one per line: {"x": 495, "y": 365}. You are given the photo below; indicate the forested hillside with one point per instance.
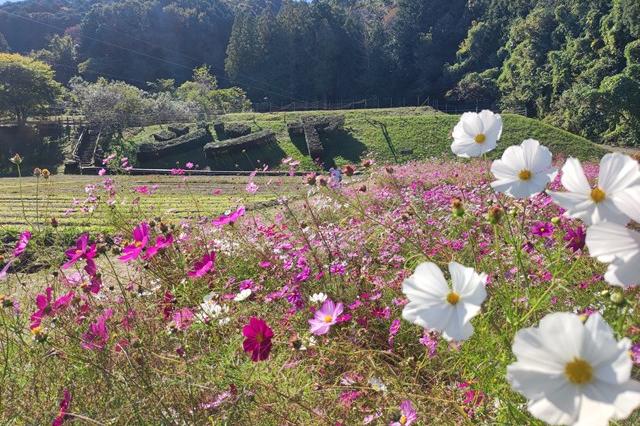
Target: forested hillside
{"x": 575, "y": 63}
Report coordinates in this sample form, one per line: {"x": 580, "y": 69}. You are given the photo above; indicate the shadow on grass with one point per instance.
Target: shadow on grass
{"x": 341, "y": 144}
{"x": 248, "y": 159}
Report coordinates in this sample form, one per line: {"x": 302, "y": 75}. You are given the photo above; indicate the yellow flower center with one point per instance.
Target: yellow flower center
{"x": 78, "y": 251}
{"x": 453, "y": 298}
{"x": 598, "y": 195}
{"x": 138, "y": 244}
{"x": 328, "y": 319}
{"x": 480, "y": 138}
{"x": 524, "y": 174}
{"x": 36, "y": 330}
{"x": 578, "y": 371}
{"x": 403, "y": 420}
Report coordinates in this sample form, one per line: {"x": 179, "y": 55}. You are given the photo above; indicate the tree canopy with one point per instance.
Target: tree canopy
{"x": 26, "y": 86}
{"x": 553, "y": 58}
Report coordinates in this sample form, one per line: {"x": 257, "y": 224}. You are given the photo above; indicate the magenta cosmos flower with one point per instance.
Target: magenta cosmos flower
{"x": 202, "y": 266}
{"x": 575, "y": 238}
{"x": 21, "y": 245}
{"x": 229, "y": 218}
{"x": 98, "y": 335}
{"x": 408, "y": 414}
{"x": 542, "y": 229}
{"x": 63, "y": 412}
{"x": 48, "y": 307}
{"x": 162, "y": 243}
{"x": 82, "y": 250}
{"x": 325, "y": 317}
{"x": 257, "y": 339}
{"x": 140, "y": 240}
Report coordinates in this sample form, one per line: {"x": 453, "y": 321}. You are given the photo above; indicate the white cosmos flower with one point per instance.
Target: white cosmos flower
{"x": 574, "y": 373}
{"x": 210, "y": 310}
{"x": 318, "y": 298}
{"x": 524, "y": 170}
{"x": 244, "y": 294}
{"x": 476, "y": 133}
{"x": 433, "y": 305}
{"x": 620, "y": 247}
{"x": 616, "y": 198}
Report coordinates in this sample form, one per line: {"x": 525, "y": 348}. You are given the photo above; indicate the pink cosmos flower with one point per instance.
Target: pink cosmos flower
{"x": 430, "y": 340}
{"x": 229, "y": 218}
{"x": 257, "y": 340}
{"x": 162, "y": 242}
{"x": 142, "y": 189}
{"x": 251, "y": 187}
{"x": 189, "y": 165}
{"x": 48, "y": 307}
{"x": 325, "y": 317}
{"x": 202, "y": 266}
{"x": 394, "y": 328}
{"x": 65, "y": 403}
{"x": 183, "y": 318}
{"x": 141, "y": 238}
{"x": 97, "y": 336}
{"x": 542, "y": 229}
{"x": 102, "y": 172}
{"x": 21, "y": 245}
{"x": 408, "y": 414}
{"x": 82, "y": 250}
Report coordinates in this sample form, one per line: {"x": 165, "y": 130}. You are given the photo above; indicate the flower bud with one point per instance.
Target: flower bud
{"x": 457, "y": 207}
{"x": 494, "y": 216}
{"x": 16, "y": 159}
{"x": 348, "y": 170}
{"x": 617, "y": 298}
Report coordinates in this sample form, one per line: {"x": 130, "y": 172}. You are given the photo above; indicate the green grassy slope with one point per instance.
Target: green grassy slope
{"x": 411, "y": 133}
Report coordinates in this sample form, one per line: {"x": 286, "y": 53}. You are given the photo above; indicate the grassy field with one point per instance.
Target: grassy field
{"x": 400, "y": 134}
{"x": 30, "y": 201}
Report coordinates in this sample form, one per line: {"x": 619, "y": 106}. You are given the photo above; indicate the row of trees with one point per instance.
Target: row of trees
{"x": 27, "y": 86}
{"x": 572, "y": 62}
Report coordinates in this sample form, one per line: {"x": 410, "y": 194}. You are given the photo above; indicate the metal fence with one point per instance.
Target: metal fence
{"x": 385, "y": 103}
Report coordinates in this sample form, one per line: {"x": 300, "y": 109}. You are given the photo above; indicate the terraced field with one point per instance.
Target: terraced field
{"x": 30, "y": 202}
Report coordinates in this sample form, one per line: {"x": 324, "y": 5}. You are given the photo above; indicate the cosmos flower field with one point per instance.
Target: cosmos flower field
{"x": 443, "y": 292}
